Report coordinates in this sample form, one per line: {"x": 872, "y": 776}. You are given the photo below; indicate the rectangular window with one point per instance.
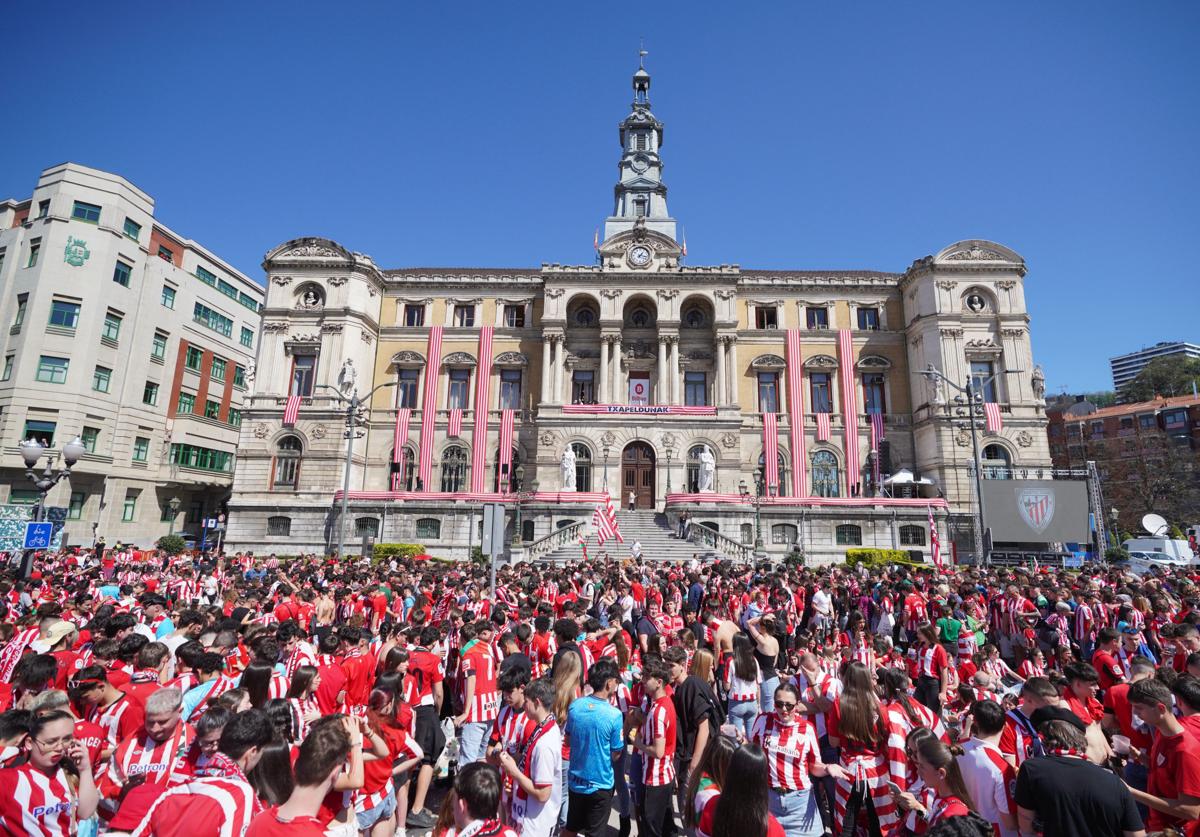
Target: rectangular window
{"x": 982, "y": 380}
{"x": 8, "y": 367}
{"x": 86, "y": 212}
{"x": 43, "y": 208}
{"x": 19, "y": 317}
{"x": 816, "y": 316}
{"x": 407, "y": 386}
{"x": 40, "y": 431}
{"x": 248, "y": 301}
{"x": 514, "y": 316}
{"x": 464, "y": 316}
{"x": 75, "y": 507}
{"x": 304, "y": 371}
{"x": 239, "y": 376}
{"x": 112, "y": 327}
{"x": 64, "y": 314}
{"x": 150, "y": 393}
{"x": 820, "y": 392}
{"x": 35, "y": 247}
{"x": 206, "y": 276}
{"x": 639, "y": 140}
{"x": 458, "y": 397}
{"x": 132, "y": 229}
{"x": 583, "y": 387}
{"x": 227, "y": 289}
{"x": 158, "y": 348}
{"x": 101, "y": 378}
{"x": 414, "y": 314}
{"x": 1127, "y": 422}
{"x": 193, "y": 358}
{"x": 235, "y": 417}
{"x": 129, "y": 508}
{"x": 141, "y": 449}
{"x": 187, "y": 404}
{"x": 1175, "y": 419}
{"x": 510, "y": 389}
{"x": 89, "y": 437}
{"x": 168, "y": 296}
{"x": 868, "y": 319}
{"x": 695, "y": 389}
{"x": 204, "y": 459}
{"x": 165, "y": 253}
{"x": 219, "y": 366}
{"x": 247, "y": 338}
{"x": 1097, "y": 428}
{"x": 768, "y": 392}
{"x": 23, "y": 497}
{"x": 766, "y": 316}
{"x": 122, "y": 273}
{"x": 873, "y": 392}
{"x": 1148, "y": 421}
{"x": 208, "y": 317}
{"x": 52, "y": 370}
{"x": 212, "y": 409}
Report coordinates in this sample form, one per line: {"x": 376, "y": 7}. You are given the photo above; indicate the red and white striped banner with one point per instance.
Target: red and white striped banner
{"x": 564, "y": 498}
{"x": 506, "y": 443}
{"x": 795, "y": 383}
{"x": 637, "y": 409}
{"x": 771, "y": 453}
{"x": 291, "y": 411}
{"x": 433, "y": 367}
{"x": 991, "y": 417}
{"x": 604, "y": 522}
{"x": 678, "y": 499}
{"x": 454, "y": 429}
{"x": 877, "y": 436}
{"x": 823, "y": 430}
{"x": 935, "y": 542}
{"x": 483, "y": 383}
{"x": 399, "y": 440}
{"x": 849, "y": 407}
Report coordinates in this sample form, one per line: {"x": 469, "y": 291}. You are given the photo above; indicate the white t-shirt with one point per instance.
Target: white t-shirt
{"x": 626, "y": 603}
{"x": 990, "y": 780}
{"x": 822, "y": 603}
{"x": 539, "y": 819}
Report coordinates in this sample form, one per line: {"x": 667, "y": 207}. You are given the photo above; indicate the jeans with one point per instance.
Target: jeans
{"x": 472, "y": 739}
{"x": 797, "y": 812}
{"x": 766, "y": 693}
{"x": 621, "y": 783}
{"x": 658, "y": 818}
{"x": 1137, "y": 776}
{"x": 742, "y": 714}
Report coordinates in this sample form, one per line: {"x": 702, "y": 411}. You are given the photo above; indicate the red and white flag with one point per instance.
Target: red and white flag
{"x": 795, "y": 379}
{"x": 771, "y": 452}
{"x": 849, "y": 407}
{"x": 596, "y": 239}
{"x": 479, "y": 436}
{"x": 991, "y": 417}
{"x": 506, "y": 440}
{"x": 877, "y": 434}
{"x": 399, "y": 440}
{"x": 935, "y": 543}
{"x": 455, "y": 428}
{"x": 291, "y": 411}
{"x": 822, "y": 427}
{"x": 433, "y": 363}
{"x": 604, "y": 521}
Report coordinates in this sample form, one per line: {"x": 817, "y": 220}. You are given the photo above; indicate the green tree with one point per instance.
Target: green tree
{"x": 1165, "y": 376}
{"x": 171, "y": 544}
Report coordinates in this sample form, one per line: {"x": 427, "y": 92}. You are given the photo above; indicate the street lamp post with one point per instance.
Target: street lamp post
{"x": 745, "y": 492}
{"x": 606, "y": 449}
{"x": 173, "y": 506}
{"x": 670, "y": 452}
{"x": 520, "y": 475}
{"x": 31, "y": 452}
{"x": 1113, "y": 516}
{"x": 355, "y": 418}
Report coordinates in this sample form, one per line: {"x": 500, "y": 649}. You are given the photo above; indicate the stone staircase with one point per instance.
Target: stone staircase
{"x": 650, "y": 529}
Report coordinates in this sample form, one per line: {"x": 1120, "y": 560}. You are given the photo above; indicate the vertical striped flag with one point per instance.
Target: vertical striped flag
{"x": 877, "y": 434}
{"x": 454, "y": 430}
{"x": 822, "y": 427}
{"x": 506, "y": 442}
{"x": 991, "y": 417}
{"x": 483, "y": 383}
{"x": 795, "y": 375}
{"x": 433, "y": 367}
{"x": 399, "y": 440}
{"x": 849, "y": 407}
{"x": 291, "y": 411}
{"x": 771, "y": 451}
{"x": 604, "y": 522}
{"x": 935, "y": 542}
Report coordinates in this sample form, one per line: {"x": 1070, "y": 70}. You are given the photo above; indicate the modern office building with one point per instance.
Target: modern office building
{"x": 1126, "y": 367}
{"x": 130, "y": 336}
{"x": 759, "y": 401}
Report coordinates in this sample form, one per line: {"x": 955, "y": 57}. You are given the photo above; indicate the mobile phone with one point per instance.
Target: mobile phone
{"x": 893, "y": 788}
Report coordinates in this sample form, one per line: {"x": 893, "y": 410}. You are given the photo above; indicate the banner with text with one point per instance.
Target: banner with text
{"x": 637, "y": 410}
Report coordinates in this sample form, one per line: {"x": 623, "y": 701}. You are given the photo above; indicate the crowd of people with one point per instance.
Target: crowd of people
{"x": 252, "y": 695}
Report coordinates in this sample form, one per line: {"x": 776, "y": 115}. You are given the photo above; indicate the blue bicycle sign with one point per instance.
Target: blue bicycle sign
{"x": 38, "y": 535}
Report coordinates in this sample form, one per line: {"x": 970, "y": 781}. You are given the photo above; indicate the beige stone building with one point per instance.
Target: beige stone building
{"x": 132, "y": 337}
{"x": 638, "y": 377}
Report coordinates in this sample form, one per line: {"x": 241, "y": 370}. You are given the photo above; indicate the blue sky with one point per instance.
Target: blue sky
{"x": 803, "y": 135}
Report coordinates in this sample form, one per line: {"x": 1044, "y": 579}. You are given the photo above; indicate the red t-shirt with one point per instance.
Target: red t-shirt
{"x": 1094, "y": 711}
{"x": 268, "y": 824}
{"x": 1174, "y": 772}
{"x": 68, "y": 664}
{"x": 1116, "y": 700}
{"x": 1109, "y": 668}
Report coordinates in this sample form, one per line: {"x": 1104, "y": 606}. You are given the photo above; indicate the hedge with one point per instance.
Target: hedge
{"x": 385, "y": 551}
{"x": 872, "y": 558}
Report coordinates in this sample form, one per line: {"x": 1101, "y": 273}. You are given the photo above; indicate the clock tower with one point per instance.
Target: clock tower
{"x": 640, "y": 194}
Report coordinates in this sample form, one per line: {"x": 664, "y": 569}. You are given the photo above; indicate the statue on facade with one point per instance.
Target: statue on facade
{"x": 935, "y": 390}
{"x": 251, "y": 371}
{"x": 1039, "y": 383}
{"x": 708, "y": 471}
{"x": 310, "y": 299}
{"x": 567, "y": 467}
{"x": 348, "y": 377}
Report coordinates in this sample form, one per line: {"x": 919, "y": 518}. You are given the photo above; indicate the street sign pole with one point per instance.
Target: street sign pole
{"x": 493, "y": 538}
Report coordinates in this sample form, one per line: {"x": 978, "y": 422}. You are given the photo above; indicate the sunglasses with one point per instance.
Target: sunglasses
{"x": 784, "y": 705}
{"x": 82, "y": 684}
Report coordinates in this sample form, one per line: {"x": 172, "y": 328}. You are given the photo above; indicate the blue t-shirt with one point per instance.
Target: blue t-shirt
{"x": 595, "y": 727}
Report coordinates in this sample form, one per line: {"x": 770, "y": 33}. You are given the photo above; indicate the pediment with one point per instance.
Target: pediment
{"x": 821, "y": 362}
{"x": 660, "y": 243}
{"x": 977, "y": 250}
{"x": 458, "y": 359}
{"x": 408, "y": 358}
{"x": 768, "y": 361}
{"x": 310, "y": 247}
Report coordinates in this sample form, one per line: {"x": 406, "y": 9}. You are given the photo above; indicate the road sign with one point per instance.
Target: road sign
{"x": 493, "y": 529}
{"x": 38, "y": 535}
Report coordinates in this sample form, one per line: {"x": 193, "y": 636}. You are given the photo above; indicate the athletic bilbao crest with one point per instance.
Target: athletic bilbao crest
{"x": 1036, "y": 506}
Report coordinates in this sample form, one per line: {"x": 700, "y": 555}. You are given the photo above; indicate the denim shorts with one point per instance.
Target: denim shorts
{"x": 382, "y": 811}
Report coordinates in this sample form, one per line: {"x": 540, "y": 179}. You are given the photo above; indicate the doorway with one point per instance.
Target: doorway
{"x": 637, "y": 475}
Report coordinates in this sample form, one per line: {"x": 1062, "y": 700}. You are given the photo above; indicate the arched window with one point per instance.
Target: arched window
{"x": 825, "y": 481}
{"x": 640, "y": 318}
{"x": 513, "y": 482}
{"x": 279, "y": 526}
{"x": 781, "y": 490}
{"x": 429, "y": 529}
{"x": 454, "y": 469}
{"x": 710, "y": 524}
{"x": 997, "y": 464}
{"x": 912, "y": 535}
{"x": 694, "y": 317}
{"x": 784, "y": 533}
{"x": 366, "y": 527}
{"x": 848, "y": 534}
{"x": 693, "y": 469}
{"x": 583, "y": 466}
{"x": 585, "y": 317}
{"x": 401, "y": 474}
{"x": 563, "y": 524}
{"x": 285, "y": 470}
{"x": 747, "y": 533}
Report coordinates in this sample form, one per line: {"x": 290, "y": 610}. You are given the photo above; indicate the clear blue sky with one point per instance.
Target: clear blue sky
{"x": 803, "y": 135}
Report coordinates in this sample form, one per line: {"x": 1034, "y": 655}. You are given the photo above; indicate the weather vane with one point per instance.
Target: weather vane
{"x": 642, "y": 53}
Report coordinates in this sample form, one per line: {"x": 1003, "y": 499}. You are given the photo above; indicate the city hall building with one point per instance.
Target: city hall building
{"x": 781, "y": 405}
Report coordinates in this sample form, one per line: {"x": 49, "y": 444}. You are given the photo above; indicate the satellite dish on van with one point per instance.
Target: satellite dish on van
{"x": 1155, "y": 525}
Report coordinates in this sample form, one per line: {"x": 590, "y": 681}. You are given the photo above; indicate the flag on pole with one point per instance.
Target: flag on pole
{"x": 455, "y": 428}
{"x": 683, "y": 249}
{"x": 291, "y": 411}
{"x": 991, "y": 417}
{"x": 596, "y": 240}
{"x": 479, "y": 436}
{"x": 399, "y": 440}
{"x": 822, "y": 427}
{"x": 935, "y": 543}
{"x": 506, "y": 440}
{"x": 849, "y": 408}
{"x": 795, "y": 384}
{"x": 583, "y": 546}
{"x": 877, "y": 434}
{"x": 433, "y": 363}
{"x": 771, "y": 452}
{"x": 604, "y": 521}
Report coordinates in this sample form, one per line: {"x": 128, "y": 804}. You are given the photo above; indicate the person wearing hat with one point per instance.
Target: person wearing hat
{"x": 58, "y": 638}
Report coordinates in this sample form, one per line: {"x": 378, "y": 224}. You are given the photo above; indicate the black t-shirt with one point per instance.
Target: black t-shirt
{"x": 695, "y": 704}
{"x": 1071, "y": 797}
{"x": 646, "y": 626}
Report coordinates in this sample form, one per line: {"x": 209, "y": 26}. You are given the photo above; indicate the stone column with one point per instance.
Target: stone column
{"x": 719, "y": 364}
{"x": 602, "y": 384}
{"x": 676, "y": 372}
{"x": 560, "y": 346}
{"x": 544, "y": 395}
{"x": 734, "y": 373}
{"x": 617, "y": 396}
{"x": 662, "y": 394}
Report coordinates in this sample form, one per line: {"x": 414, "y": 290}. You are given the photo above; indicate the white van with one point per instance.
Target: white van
{"x": 1143, "y": 562}
{"x": 1178, "y": 550}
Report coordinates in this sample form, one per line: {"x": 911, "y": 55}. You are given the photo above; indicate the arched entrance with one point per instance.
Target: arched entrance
{"x": 637, "y": 475}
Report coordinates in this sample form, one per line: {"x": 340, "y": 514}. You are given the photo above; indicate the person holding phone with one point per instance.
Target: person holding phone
{"x": 37, "y": 797}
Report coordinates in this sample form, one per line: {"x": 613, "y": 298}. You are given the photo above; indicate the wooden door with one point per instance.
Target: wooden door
{"x": 637, "y": 475}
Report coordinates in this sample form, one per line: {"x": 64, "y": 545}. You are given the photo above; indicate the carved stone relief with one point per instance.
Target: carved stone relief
{"x": 1024, "y": 439}
{"x": 311, "y": 250}
{"x": 963, "y": 439}
{"x": 511, "y": 359}
{"x": 337, "y": 281}
{"x": 261, "y": 431}
{"x": 729, "y": 441}
{"x": 318, "y": 431}
{"x": 281, "y": 280}
{"x": 976, "y": 254}
{"x": 547, "y": 439}
{"x": 458, "y": 359}
{"x": 947, "y": 284}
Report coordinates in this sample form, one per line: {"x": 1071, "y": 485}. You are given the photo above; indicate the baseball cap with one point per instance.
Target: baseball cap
{"x": 56, "y": 633}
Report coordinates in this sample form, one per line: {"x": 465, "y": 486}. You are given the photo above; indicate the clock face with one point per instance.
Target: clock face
{"x": 639, "y": 256}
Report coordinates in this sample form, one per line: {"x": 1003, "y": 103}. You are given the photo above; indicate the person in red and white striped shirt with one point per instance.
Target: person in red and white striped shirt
{"x": 933, "y": 669}
{"x": 656, "y": 743}
{"x": 115, "y": 712}
{"x": 155, "y": 755}
{"x": 36, "y": 798}
{"x": 990, "y": 779}
{"x": 481, "y": 695}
